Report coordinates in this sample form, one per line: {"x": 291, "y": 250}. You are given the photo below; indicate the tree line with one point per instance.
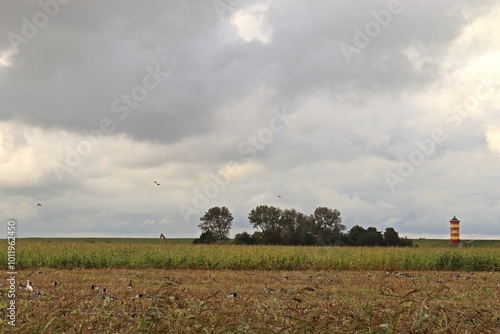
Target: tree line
{"x": 278, "y": 226}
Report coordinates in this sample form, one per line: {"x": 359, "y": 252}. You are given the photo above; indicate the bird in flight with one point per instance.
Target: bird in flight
{"x": 280, "y": 196}
{"x": 156, "y": 183}
{"x": 39, "y": 204}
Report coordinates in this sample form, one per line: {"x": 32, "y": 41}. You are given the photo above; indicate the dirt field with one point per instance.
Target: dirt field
{"x": 189, "y": 301}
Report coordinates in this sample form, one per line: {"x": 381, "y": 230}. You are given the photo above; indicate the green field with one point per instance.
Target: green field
{"x": 132, "y": 254}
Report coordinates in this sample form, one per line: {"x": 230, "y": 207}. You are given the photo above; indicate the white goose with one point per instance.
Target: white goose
{"x": 29, "y": 288}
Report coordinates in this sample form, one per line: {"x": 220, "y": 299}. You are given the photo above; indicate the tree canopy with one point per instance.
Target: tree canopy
{"x": 290, "y": 227}
{"x": 217, "y": 221}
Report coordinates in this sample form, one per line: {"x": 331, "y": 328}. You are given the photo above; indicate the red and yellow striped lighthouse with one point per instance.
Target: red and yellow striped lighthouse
{"x": 454, "y": 230}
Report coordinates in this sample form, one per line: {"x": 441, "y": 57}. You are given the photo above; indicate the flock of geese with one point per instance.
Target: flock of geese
{"x": 29, "y": 287}
{"x": 104, "y": 290}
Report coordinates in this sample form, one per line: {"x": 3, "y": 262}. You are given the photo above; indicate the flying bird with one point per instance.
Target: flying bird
{"x": 280, "y": 196}
{"x": 156, "y": 183}
{"x": 39, "y": 204}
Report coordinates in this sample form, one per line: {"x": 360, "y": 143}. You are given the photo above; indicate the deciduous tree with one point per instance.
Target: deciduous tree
{"x": 218, "y": 221}
{"x": 328, "y": 225}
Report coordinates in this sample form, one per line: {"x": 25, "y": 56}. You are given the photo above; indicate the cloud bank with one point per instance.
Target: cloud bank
{"x": 387, "y": 111}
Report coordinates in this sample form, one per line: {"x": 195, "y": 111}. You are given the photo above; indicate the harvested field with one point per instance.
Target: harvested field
{"x": 190, "y": 301}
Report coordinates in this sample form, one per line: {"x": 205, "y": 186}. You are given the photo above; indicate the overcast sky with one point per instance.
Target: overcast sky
{"x": 388, "y": 111}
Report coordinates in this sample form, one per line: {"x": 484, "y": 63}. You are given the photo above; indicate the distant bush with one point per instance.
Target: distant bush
{"x": 244, "y": 238}
{"x": 358, "y": 236}
{"x": 205, "y": 238}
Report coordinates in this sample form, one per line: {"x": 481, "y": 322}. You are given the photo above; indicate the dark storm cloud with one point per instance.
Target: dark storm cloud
{"x": 91, "y": 53}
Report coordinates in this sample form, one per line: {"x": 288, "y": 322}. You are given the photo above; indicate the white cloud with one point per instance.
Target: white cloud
{"x": 493, "y": 138}
{"x": 4, "y": 59}
{"x": 251, "y": 25}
